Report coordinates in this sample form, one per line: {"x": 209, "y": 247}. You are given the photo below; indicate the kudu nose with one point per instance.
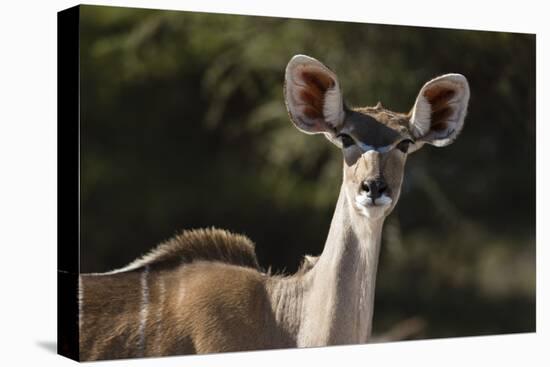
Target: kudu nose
{"x": 374, "y": 188}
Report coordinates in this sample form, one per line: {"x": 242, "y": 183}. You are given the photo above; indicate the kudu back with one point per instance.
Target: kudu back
{"x": 203, "y": 291}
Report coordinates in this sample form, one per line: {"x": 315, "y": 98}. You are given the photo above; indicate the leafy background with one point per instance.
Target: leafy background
{"x": 183, "y": 125}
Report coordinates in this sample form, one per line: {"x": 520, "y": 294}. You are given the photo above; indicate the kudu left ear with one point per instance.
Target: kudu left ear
{"x": 313, "y": 96}
{"x": 439, "y": 111}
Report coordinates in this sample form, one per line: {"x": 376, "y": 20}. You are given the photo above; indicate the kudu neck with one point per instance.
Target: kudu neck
{"x": 339, "y": 290}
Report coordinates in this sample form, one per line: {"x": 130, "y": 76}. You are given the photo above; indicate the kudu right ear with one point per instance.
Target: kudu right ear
{"x": 439, "y": 111}
{"x": 312, "y": 96}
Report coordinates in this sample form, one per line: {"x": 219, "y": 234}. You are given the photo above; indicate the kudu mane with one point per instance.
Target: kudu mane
{"x": 210, "y": 244}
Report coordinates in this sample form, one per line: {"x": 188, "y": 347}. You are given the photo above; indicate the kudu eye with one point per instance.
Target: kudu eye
{"x": 404, "y": 145}
{"x": 347, "y": 140}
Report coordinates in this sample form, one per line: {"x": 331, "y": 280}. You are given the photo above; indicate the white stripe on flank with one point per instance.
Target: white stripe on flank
{"x": 80, "y": 301}
{"x": 160, "y": 312}
{"x": 144, "y": 309}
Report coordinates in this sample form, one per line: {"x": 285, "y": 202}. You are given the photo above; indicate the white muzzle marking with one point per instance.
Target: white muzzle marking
{"x": 368, "y": 207}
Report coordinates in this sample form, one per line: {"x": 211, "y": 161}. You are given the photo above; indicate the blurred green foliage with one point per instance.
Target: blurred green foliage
{"x": 183, "y": 125}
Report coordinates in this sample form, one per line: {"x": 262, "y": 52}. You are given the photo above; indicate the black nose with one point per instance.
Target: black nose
{"x": 374, "y": 188}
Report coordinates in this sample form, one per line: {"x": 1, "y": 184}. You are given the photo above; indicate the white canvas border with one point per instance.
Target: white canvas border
{"x": 28, "y": 185}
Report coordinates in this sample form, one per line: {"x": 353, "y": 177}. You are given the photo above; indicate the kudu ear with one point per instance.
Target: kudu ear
{"x": 313, "y": 96}
{"x": 438, "y": 113}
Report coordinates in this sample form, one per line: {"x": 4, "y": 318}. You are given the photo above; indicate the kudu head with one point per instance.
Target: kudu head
{"x": 375, "y": 141}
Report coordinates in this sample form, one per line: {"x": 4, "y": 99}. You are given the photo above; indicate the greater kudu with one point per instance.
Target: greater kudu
{"x": 203, "y": 290}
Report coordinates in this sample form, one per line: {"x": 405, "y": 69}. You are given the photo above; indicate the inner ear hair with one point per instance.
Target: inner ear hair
{"x": 313, "y": 94}
{"x": 439, "y": 97}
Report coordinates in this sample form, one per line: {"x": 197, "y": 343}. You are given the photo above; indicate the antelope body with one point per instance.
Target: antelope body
{"x": 203, "y": 290}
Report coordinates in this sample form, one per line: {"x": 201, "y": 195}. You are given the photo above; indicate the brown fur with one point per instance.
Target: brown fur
{"x": 111, "y": 312}
{"x": 204, "y": 308}
{"x": 220, "y": 301}
{"x": 201, "y": 286}
{"x": 394, "y": 120}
